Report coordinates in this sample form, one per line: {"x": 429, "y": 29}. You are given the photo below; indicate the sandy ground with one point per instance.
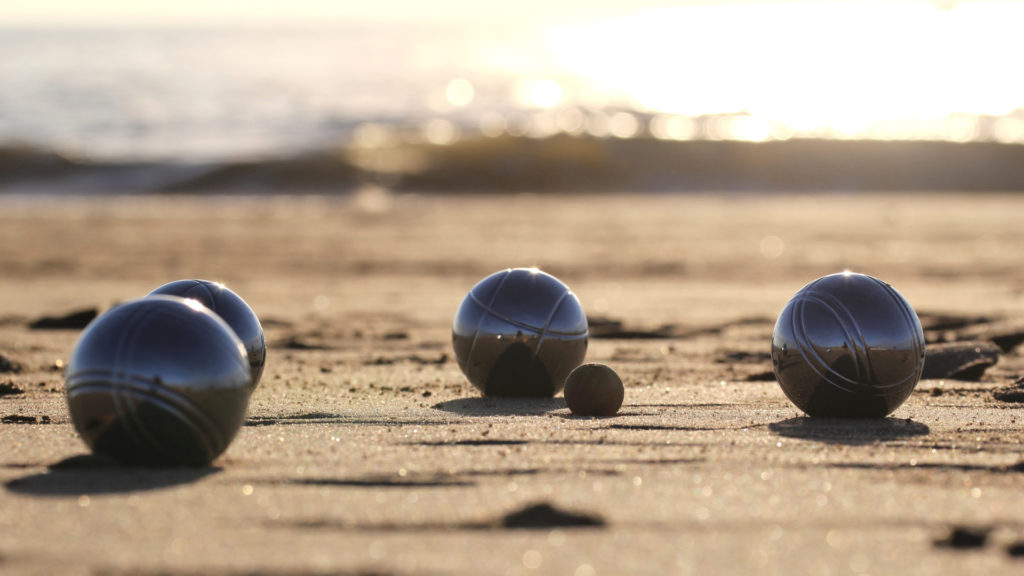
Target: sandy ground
{"x": 366, "y": 452}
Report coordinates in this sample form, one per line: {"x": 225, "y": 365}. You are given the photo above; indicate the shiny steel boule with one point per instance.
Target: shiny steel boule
{"x": 848, "y": 345}
{"x": 232, "y": 309}
{"x": 158, "y": 381}
{"x": 519, "y": 332}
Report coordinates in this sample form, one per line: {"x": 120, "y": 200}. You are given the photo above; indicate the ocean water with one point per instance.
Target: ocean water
{"x": 753, "y": 72}
{"x": 215, "y": 93}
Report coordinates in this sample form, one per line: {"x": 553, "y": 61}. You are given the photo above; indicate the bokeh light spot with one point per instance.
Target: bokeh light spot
{"x": 544, "y": 93}
{"x": 459, "y": 92}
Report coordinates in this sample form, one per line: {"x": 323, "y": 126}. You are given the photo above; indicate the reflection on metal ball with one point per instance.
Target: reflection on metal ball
{"x": 848, "y": 345}
{"x": 232, "y": 309}
{"x": 158, "y": 381}
{"x": 519, "y": 332}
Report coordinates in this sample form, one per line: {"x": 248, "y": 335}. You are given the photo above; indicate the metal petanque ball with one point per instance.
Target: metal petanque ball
{"x": 158, "y": 381}
{"x": 519, "y": 332}
{"x": 232, "y": 309}
{"x": 848, "y": 345}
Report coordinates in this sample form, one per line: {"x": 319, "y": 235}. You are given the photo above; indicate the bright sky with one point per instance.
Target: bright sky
{"x": 78, "y": 12}
{"x": 91, "y": 12}
{"x": 874, "y": 60}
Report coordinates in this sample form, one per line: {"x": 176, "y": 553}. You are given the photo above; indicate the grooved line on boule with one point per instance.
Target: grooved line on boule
{"x": 805, "y": 347}
{"x": 547, "y": 323}
{"x": 124, "y": 407}
{"x": 847, "y": 321}
{"x": 914, "y": 327}
{"x": 486, "y": 310}
{"x": 124, "y": 389}
{"x": 213, "y": 298}
{"x": 204, "y": 429}
{"x": 818, "y": 365}
{"x": 877, "y": 387}
{"x": 519, "y": 324}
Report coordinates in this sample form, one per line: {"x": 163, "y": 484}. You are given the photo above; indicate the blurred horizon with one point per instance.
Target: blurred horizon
{"x": 226, "y": 80}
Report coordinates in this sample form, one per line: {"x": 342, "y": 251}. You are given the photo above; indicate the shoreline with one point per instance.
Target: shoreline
{"x": 561, "y": 163}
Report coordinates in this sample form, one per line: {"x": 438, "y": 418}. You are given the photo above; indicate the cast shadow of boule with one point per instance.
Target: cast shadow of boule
{"x": 850, "y": 431}
{"x": 89, "y": 474}
{"x": 501, "y": 406}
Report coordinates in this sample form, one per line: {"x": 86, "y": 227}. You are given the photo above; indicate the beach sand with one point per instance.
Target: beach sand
{"x": 367, "y": 452}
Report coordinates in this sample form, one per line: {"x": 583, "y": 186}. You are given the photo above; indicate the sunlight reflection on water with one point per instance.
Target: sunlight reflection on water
{"x": 751, "y": 72}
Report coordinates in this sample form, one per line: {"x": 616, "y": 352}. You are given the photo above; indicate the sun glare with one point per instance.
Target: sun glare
{"x": 840, "y": 69}
{"x": 748, "y": 70}
{"x": 459, "y": 92}
{"x": 545, "y": 93}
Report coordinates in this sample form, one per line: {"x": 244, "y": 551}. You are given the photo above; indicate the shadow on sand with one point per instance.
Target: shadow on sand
{"x": 851, "y": 431}
{"x": 500, "y": 406}
{"x": 536, "y": 516}
{"x": 91, "y": 475}
{"x": 333, "y": 418}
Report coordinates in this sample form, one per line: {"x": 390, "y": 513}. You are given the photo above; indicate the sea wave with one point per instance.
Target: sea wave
{"x": 551, "y": 164}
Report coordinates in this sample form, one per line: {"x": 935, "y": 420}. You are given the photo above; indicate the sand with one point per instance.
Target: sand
{"x": 366, "y": 452}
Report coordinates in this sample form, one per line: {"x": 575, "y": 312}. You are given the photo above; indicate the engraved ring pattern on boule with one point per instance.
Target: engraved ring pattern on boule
{"x": 848, "y": 345}
{"x": 519, "y": 332}
{"x": 159, "y": 381}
